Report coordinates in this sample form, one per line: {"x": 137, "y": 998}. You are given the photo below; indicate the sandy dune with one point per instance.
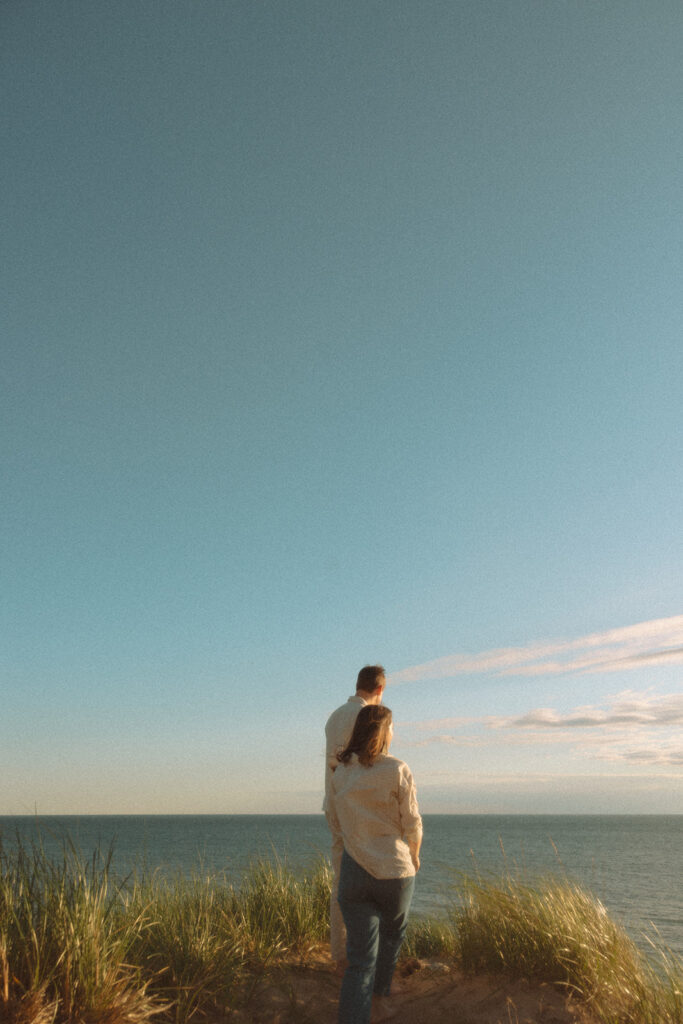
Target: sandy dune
{"x": 428, "y": 992}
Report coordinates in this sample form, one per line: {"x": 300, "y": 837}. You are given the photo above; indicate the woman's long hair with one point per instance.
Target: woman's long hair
{"x": 370, "y": 736}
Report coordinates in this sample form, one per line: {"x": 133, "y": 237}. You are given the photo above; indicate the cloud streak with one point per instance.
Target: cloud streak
{"x": 636, "y": 728}
{"x": 628, "y": 709}
{"x": 655, "y": 642}
{"x": 446, "y": 740}
{"x": 666, "y": 758}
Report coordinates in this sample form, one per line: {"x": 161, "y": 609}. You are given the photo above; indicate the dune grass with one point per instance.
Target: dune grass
{"x": 64, "y": 942}
{"x": 554, "y": 931}
{"x": 78, "y": 945}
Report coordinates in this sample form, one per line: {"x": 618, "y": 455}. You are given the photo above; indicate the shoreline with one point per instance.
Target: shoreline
{"x": 615, "y": 858}
{"x": 77, "y": 944}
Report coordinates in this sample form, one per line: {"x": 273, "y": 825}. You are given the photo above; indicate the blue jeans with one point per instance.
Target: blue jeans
{"x": 375, "y": 912}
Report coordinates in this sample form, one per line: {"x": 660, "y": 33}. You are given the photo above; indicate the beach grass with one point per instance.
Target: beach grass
{"x": 77, "y": 944}
{"x": 556, "y": 932}
{"x": 65, "y": 939}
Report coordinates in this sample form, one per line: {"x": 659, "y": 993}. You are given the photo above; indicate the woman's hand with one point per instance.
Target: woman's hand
{"x": 416, "y": 863}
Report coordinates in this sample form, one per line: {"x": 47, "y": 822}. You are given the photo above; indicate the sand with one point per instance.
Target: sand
{"x": 429, "y": 992}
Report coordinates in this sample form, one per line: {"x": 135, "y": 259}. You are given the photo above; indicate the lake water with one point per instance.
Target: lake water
{"x": 634, "y": 864}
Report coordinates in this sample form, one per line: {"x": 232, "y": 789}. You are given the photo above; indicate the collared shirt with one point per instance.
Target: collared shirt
{"x": 375, "y": 811}
{"x": 337, "y": 735}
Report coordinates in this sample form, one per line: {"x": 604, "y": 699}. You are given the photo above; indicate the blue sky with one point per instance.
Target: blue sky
{"x": 337, "y": 334}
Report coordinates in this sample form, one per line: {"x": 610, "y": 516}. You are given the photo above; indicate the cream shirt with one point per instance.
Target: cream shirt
{"x": 337, "y": 735}
{"x": 375, "y": 811}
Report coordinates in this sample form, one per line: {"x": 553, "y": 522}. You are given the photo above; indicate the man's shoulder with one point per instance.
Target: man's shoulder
{"x": 350, "y": 707}
{"x": 341, "y": 709}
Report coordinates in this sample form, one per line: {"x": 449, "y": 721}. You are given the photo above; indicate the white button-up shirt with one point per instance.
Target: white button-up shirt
{"x": 375, "y": 811}
{"x": 337, "y": 735}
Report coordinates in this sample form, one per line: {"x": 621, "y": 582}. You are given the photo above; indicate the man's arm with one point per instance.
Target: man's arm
{"x": 330, "y": 756}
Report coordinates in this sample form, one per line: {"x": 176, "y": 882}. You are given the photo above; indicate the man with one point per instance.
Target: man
{"x": 369, "y": 689}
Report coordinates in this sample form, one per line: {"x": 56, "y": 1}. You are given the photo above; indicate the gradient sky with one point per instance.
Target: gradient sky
{"x": 334, "y": 334}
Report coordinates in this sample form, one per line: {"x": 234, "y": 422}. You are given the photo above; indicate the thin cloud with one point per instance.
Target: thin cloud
{"x": 444, "y": 739}
{"x": 637, "y": 728}
{"x": 627, "y": 710}
{"x": 653, "y": 642}
{"x": 439, "y": 723}
{"x": 664, "y": 758}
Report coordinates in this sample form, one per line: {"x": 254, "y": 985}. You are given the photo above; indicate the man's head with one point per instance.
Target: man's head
{"x": 370, "y": 683}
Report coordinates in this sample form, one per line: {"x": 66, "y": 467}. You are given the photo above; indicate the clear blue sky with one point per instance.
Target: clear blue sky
{"x": 333, "y": 334}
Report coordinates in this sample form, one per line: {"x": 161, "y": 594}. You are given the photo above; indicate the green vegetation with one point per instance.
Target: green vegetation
{"x": 556, "y": 932}
{"x": 77, "y": 945}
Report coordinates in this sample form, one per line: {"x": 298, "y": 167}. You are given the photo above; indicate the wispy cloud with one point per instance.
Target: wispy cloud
{"x": 660, "y": 757}
{"x": 658, "y": 641}
{"x": 446, "y": 740}
{"x": 642, "y": 729}
{"x": 625, "y": 709}
{"x": 439, "y": 723}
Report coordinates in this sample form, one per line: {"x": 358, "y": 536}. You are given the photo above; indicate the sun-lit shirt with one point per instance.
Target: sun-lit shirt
{"x": 337, "y": 735}
{"x": 375, "y": 811}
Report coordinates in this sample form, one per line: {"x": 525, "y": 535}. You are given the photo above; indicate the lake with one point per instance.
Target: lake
{"x": 633, "y": 864}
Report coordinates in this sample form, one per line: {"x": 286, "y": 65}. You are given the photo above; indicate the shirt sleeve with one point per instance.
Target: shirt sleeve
{"x": 331, "y": 814}
{"x": 411, "y": 822}
{"x": 330, "y": 759}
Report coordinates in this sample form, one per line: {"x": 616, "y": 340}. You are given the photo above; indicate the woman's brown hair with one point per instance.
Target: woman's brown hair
{"x": 370, "y": 736}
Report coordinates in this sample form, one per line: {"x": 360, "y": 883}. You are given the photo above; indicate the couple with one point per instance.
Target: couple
{"x": 371, "y": 808}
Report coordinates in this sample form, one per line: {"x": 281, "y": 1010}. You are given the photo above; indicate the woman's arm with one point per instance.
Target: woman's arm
{"x": 414, "y": 847}
{"x": 411, "y": 822}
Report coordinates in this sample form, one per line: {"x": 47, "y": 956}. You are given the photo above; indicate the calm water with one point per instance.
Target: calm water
{"x": 633, "y": 864}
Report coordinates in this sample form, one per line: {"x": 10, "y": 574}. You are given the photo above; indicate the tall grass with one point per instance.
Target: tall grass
{"x": 65, "y": 940}
{"x": 203, "y": 940}
{"x": 76, "y": 945}
{"x": 283, "y": 913}
{"x": 556, "y": 932}
{"x": 189, "y": 948}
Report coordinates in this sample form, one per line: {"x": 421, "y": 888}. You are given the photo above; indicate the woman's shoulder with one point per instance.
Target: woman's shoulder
{"x": 395, "y": 764}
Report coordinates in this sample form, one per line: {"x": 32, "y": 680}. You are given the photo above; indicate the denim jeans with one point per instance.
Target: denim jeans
{"x": 375, "y": 912}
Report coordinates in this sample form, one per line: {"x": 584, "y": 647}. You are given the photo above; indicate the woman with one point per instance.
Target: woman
{"x": 374, "y": 809}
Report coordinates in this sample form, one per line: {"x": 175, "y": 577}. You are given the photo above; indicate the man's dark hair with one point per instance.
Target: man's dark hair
{"x": 369, "y": 678}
